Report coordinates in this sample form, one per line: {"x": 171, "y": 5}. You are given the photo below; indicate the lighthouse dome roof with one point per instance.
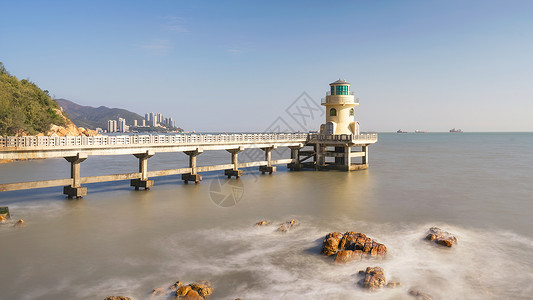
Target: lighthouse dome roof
{"x": 340, "y": 81}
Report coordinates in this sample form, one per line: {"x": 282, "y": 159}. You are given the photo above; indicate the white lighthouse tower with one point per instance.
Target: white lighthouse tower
{"x": 340, "y": 105}
{"x": 339, "y": 144}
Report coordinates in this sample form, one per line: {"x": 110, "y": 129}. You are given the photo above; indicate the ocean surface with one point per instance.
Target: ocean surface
{"x": 117, "y": 241}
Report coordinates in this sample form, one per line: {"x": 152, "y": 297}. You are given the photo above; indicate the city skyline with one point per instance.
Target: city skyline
{"x": 420, "y": 65}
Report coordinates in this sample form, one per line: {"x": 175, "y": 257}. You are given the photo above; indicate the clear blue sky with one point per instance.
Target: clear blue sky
{"x": 237, "y": 65}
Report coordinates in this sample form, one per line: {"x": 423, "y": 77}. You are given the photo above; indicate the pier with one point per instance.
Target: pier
{"x": 76, "y": 149}
{"x": 338, "y": 145}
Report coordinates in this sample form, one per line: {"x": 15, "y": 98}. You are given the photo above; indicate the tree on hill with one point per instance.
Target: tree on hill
{"x": 24, "y": 107}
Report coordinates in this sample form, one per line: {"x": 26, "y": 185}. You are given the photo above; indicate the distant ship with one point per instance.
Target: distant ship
{"x": 401, "y": 131}
{"x": 420, "y": 131}
{"x": 456, "y": 130}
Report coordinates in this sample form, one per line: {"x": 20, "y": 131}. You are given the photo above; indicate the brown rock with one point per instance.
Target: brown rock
{"x": 3, "y": 219}
{"x": 393, "y": 284}
{"x": 374, "y": 278}
{"x": 331, "y": 243}
{"x": 203, "y": 288}
{"x": 160, "y": 291}
{"x": 419, "y": 295}
{"x": 20, "y": 223}
{"x": 183, "y": 290}
{"x": 441, "y": 237}
{"x": 343, "y": 256}
{"x": 193, "y": 295}
{"x": 117, "y": 298}
{"x": 284, "y": 227}
{"x": 352, "y": 241}
{"x": 262, "y": 223}
{"x": 175, "y": 286}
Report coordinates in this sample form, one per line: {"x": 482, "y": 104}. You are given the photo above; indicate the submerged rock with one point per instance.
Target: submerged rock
{"x": 117, "y": 298}
{"x": 351, "y": 246}
{"x": 20, "y": 223}
{"x": 374, "y": 278}
{"x": 440, "y": 237}
{"x": 394, "y": 284}
{"x": 284, "y": 227}
{"x": 263, "y": 223}
{"x": 419, "y": 295}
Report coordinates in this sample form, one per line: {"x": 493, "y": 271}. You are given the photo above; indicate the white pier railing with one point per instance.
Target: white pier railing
{"x": 112, "y": 140}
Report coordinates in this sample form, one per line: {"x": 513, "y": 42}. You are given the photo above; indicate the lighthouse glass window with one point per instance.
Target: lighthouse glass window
{"x": 342, "y": 90}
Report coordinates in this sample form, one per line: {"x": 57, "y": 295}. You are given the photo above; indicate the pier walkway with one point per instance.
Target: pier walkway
{"x": 75, "y": 149}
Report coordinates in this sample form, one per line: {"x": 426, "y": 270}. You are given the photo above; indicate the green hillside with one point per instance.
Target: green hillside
{"x": 24, "y": 107}
{"x": 93, "y": 117}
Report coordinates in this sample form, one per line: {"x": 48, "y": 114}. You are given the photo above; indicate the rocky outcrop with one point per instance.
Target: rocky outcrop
{"x": 68, "y": 129}
{"x": 197, "y": 290}
{"x": 419, "y": 295}
{"x": 117, "y": 298}
{"x": 285, "y": 227}
{"x": 440, "y": 237}
{"x": 374, "y": 278}
{"x": 351, "y": 246}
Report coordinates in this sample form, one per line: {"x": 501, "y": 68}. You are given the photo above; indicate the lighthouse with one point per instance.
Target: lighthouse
{"x": 339, "y": 144}
{"x": 340, "y": 105}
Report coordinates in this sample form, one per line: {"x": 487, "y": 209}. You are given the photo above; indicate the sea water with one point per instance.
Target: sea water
{"x": 116, "y": 241}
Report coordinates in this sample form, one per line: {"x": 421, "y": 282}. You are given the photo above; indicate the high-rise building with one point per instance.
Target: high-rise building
{"x": 111, "y": 126}
{"x": 147, "y": 117}
{"x": 122, "y": 127}
{"x": 144, "y": 123}
{"x": 135, "y": 123}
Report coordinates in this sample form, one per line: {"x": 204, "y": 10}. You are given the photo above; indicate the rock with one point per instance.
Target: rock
{"x": 193, "y": 295}
{"x": 203, "y": 288}
{"x": 183, "y": 290}
{"x": 419, "y": 295}
{"x": 351, "y": 241}
{"x": 20, "y": 223}
{"x": 117, "y": 298}
{"x": 374, "y": 278}
{"x": 284, "y": 227}
{"x": 263, "y": 223}
{"x": 3, "y": 219}
{"x": 160, "y": 292}
{"x": 344, "y": 256}
{"x": 175, "y": 286}
{"x": 440, "y": 237}
{"x": 197, "y": 290}
{"x": 331, "y": 243}
{"x": 393, "y": 284}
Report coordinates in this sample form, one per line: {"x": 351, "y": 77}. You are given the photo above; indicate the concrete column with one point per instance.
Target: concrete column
{"x": 340, "y": 160}
{"x": 143, "y": 182}
{"x": 75, "y": 190}
{"x": 320, "y": 155}
{"x": 235, "y": 161}
{"x": 347, "y": 157}
{"x": 295, "y": 156}
{"x": 365, "y": 158}
{"x": 193, "y": 176}
{"x": 268, "y": 157}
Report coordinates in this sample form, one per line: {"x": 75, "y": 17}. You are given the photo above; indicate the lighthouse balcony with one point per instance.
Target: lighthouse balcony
{"x": 357, "y": 139}
{"x": 339, "y": 99}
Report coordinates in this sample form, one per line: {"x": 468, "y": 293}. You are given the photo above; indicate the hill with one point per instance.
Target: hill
{"x": 25, "y": 109}
{"x": 93, "y": 117}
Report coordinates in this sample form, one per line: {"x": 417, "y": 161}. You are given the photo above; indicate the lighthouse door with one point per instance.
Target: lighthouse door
{"x": 330, "y": 129}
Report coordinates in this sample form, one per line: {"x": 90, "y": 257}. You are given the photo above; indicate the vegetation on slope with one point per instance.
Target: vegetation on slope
{"x": 24, "y": 107}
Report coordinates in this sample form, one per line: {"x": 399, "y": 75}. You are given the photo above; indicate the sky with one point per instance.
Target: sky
{"x": 264, "y": 65}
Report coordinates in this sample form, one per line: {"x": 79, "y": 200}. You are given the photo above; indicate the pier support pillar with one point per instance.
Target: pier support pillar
{"x": 268, "y": 157}
{"x": 295, "y": 156}
{"x": 143, "y": 182}
{"x": 365, "y": 158}
{"x": 193, "y": 176}
{"x": 75, "y": 190}
{"x": 320, "y": 157}
{"x": 340, "y": 160}
{"x": 235, "y": 161}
